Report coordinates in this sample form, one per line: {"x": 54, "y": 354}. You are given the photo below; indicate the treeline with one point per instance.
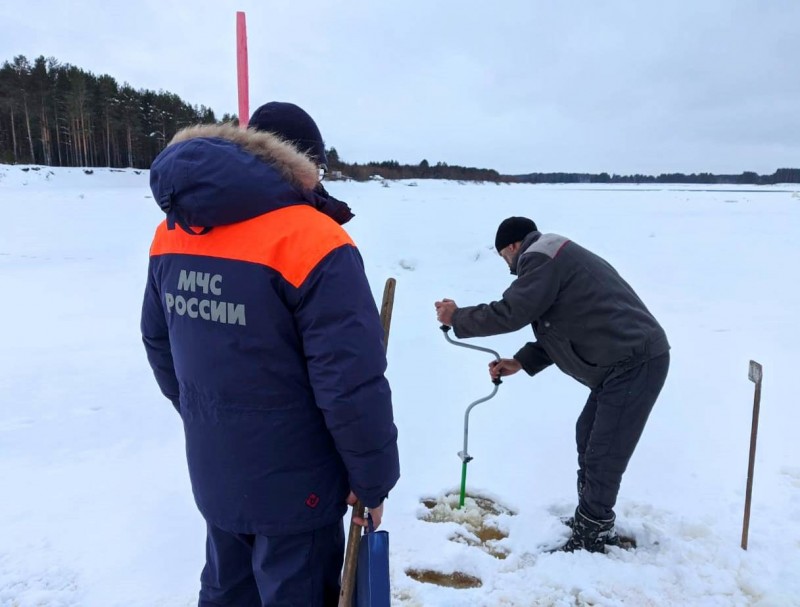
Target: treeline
{"x": 391, "y": 169}
{"x": 745, "y": 178}
{"x": 57, "y": 114}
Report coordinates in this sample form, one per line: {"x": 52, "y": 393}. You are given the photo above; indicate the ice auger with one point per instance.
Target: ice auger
{"x": 464, "y": 455}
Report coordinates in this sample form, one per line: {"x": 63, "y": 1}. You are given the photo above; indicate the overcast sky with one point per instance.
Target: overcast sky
{"x": 515, "y": 85}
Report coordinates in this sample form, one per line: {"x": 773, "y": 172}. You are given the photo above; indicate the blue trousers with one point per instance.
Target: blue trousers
{"x": 301, "y": 570}
{"x": 609, "y": 429}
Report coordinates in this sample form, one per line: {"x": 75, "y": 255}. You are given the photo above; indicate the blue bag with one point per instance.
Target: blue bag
{"x": 372, "y": 573}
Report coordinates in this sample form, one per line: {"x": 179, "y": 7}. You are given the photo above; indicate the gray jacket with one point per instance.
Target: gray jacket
{"x": 586, "y": 318}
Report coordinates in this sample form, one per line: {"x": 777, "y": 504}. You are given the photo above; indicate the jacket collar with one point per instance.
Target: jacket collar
{"x": 526, "y": 242}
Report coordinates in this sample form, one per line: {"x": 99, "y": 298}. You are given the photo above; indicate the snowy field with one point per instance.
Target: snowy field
{"x": 96, "y": 509}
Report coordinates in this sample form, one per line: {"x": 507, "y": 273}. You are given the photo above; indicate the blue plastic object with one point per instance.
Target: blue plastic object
{"x": 372, "y": 574}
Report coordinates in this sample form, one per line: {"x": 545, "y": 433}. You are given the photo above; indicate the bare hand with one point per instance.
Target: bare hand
{"x": 377, "y": 513}
{"x": 444, "y": 311}
{"x": 504, "y": 367}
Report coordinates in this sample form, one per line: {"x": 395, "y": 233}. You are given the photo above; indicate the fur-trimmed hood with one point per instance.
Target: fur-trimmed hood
{"x": 293, "y": 164}
{"x": 211, "y": 175}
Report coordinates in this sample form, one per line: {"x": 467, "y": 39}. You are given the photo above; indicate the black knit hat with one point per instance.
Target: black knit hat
{"x": 511, "y": 230}
{"x": 293, "y": 124}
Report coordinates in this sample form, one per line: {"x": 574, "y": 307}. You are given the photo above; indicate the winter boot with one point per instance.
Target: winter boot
{"x": 614, "y": 539}
{"x": 589, "y": 534}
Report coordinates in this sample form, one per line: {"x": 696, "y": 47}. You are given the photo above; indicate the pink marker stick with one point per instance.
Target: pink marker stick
{"x": 241, "y": 69}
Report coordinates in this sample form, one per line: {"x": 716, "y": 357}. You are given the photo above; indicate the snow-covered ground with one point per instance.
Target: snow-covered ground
{"x": 96, "y": 509}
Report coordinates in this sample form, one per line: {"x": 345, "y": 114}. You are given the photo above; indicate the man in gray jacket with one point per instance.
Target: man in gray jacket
{"x": 592, "y": 325}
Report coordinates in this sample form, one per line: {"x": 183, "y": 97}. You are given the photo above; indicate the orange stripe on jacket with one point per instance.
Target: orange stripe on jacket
{"x": 291, "y": 240}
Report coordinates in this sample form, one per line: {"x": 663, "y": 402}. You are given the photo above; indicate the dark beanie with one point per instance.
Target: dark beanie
{"x": 293, "y": 124}
{"x": 513, "y": 229}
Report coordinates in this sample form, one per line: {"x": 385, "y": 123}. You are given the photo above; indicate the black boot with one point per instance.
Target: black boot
{"x": 613, "y": 539}
{"x": 589, "y": 534}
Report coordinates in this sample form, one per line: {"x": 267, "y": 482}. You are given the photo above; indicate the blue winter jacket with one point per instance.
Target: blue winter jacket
{"x": 260, "y": 327}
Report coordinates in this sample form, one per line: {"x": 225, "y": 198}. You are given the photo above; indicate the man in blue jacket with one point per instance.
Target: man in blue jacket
{"x": 262, "y": 331}
{"x": 591, "y": 324}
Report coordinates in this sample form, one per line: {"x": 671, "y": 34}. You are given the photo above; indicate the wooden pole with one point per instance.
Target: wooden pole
{"x": 755, "y": 375}
{"x": 354, "y": 535}
{"x": 242, "y": 70}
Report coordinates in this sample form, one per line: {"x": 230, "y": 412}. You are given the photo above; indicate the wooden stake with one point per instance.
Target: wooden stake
{"x": 354, "y": 535}
{"x": 755, "y": 374}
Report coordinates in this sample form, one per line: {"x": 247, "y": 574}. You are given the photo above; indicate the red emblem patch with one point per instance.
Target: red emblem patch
{"x": 312, "y": 500}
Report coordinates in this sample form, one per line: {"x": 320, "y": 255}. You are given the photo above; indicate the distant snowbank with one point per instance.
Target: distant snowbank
{"x": 33, "y": 175}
